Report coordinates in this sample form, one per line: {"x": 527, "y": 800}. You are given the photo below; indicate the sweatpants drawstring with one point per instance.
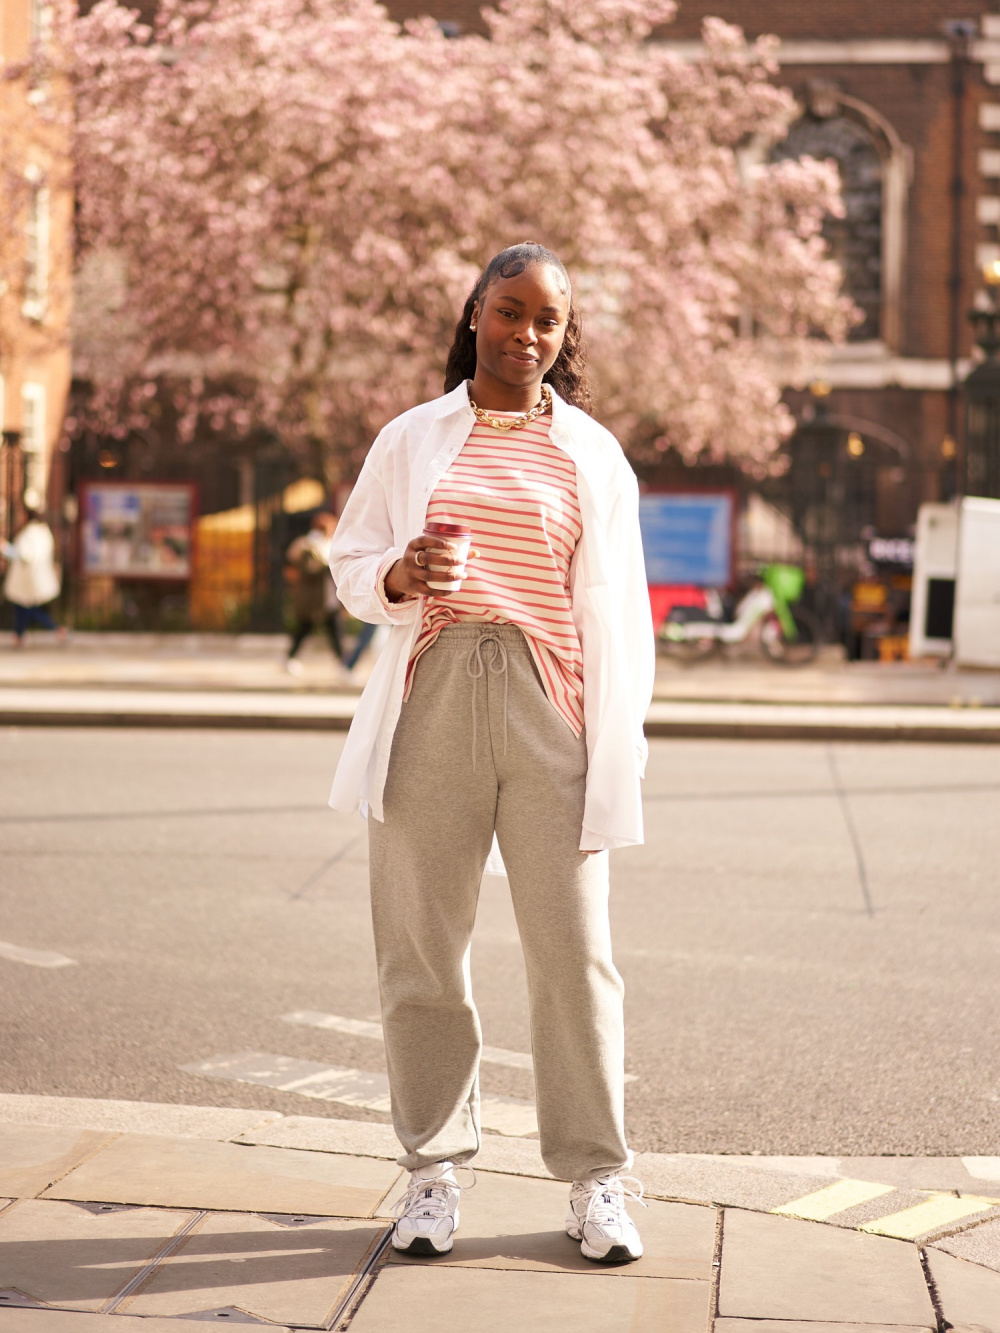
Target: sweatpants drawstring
{"x": 476, "y": 667}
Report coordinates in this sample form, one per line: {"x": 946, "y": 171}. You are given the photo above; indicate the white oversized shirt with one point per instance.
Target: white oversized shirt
{"x": 32, "y": 579}
{"x": 610, "y": 602}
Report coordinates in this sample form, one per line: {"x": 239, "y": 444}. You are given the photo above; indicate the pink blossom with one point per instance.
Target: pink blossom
{"x": 296, "y": 196}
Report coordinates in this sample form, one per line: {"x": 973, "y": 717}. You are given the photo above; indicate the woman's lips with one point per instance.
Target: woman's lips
{"x": 522, "y": 358}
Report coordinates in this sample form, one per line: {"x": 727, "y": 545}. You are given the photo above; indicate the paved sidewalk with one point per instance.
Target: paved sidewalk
{"x": 240, "y": 681}
{"x": 333, "y": 711}
{"x": 256, "y": 662}
{"x": 121, "y": 1210}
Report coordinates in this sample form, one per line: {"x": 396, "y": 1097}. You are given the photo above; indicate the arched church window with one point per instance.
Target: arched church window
{"x": 856, "y": 239}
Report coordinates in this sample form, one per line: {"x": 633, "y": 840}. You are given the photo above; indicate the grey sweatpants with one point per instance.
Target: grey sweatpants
{"x": 479, "y": 747}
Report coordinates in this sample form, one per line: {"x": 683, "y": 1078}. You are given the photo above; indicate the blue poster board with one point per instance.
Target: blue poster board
{"x": 687, "y": 538}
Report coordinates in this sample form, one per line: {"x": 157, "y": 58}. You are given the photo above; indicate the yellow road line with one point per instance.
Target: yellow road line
{"x": 835, "y": 1198}
{"x": 940, "y": 1210}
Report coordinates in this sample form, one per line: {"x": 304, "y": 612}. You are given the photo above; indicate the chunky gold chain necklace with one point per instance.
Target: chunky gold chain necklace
{"x": 499, "y": 423}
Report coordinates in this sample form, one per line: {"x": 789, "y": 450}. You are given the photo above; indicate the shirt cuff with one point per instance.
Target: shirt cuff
{"x": 593, "y": 842}
{"x": 392, "y": 607}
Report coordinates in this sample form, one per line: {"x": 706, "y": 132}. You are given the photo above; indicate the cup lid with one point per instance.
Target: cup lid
{"x": 448, "y": 529}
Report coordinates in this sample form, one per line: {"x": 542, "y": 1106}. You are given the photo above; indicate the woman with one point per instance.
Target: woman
{"x": 512, "y": 707}
{"x": 32, "y": 577}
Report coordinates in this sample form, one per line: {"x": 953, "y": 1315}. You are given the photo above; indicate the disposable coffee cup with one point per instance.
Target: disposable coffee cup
{"x": 458, "y": 540}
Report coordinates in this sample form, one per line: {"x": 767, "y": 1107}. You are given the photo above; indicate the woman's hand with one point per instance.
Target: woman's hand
{"x": 409, "y": 576}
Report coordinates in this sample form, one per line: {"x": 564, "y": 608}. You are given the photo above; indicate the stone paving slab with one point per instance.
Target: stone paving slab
{"x": 969, "y": 1295}
{"x": 800, "y": 1326}
{"x": 780, "y": 1268}
{"x": 58, "y": 1321}
{"x": 438, "y": 1299}
{"x": 200, "y": 1122}
{"x": 32, "y": 1157}
{"x": 716, "y": 1181}
{"x": 320, "y": 1134}
{"x": 519, "y": 1224}
{"x": 286, "y": 1274}
{"x": 62, "y": 1254}
{"x": 980, "y": 1244}
{"x": 195, "y": 1173}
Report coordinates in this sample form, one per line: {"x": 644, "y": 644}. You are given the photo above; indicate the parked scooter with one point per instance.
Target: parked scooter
{"x": 789, "y": 634}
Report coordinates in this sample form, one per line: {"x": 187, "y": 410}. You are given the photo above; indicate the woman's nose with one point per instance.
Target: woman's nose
{"x": 527, "y": 335}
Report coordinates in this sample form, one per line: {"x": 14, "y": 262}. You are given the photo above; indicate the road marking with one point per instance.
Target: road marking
{"x": 348, "y": 1087}
{"x": 35, "y": 957}
{"x": 940, "y": 1210}
{"x": 982, "y": 1168}
{"x": 361, "y": 1027}
{"x": 835, "y": 1198}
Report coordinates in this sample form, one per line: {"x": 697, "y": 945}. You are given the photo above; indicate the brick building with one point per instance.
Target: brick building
{"x": 905, "y": 95}
{"x": 36, "y": 214}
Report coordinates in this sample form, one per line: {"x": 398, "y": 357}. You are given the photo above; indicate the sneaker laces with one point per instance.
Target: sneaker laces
{"x": 431, "y": 1192}
{"x": 607, "y": 1201}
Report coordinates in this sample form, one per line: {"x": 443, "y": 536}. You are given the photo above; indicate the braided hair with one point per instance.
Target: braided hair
{"x": 568, "y": 374}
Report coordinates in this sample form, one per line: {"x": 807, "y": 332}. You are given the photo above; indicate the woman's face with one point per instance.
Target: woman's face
{"x": 520, "y": 325}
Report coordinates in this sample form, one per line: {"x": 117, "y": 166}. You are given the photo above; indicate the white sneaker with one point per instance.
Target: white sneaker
{"x": 293, "y": 667}
{"x": 428, "y": 1212}
{"x": 597, "y": 1217}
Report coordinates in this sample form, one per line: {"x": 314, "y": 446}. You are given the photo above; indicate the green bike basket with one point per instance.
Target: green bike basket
{"x": 785, "y": 581}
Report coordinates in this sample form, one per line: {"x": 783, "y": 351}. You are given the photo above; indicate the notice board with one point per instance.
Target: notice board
{"x": 687, "y": 537}
{"x": 137, "y": 530}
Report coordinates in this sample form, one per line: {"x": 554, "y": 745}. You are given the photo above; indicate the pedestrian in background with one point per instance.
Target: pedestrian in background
{"x": 314, "y": 597}
{"x": 32, "y": 580}
{"x": 366, "y": 633}
{"x": 510, "y": 707}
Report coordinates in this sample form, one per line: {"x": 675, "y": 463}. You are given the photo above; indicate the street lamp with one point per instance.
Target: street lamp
{"x": 981, "y": 464}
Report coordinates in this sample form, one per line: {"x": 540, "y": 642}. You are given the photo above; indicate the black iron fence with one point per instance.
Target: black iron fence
{"x": 234, "y": 577}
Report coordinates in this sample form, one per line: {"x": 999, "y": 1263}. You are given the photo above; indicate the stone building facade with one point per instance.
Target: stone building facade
{"x": 36, "y": 216}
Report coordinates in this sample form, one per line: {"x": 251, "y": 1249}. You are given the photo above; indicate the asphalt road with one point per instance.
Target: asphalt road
{"x": 810, "y": 937}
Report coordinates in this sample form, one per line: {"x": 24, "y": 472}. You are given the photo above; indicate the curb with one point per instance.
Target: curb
{"x": 316, "y": 711}
{"x": 159, "y": 721}
{"x": 844, "y": 1193}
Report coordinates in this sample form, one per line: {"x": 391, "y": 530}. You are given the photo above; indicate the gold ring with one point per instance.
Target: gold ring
{"x": 419, "y": 563}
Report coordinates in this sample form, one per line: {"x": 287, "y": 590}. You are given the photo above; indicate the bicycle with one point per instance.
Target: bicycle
{"x": 789, "y": 634}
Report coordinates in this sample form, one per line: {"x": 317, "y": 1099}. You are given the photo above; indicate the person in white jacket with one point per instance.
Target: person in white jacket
{"x": 32, "y": 580}
{"x": 503, "y": 717}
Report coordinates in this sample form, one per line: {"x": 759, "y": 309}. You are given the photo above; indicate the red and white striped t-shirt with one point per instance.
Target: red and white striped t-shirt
{"x": 516, "y": 490}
